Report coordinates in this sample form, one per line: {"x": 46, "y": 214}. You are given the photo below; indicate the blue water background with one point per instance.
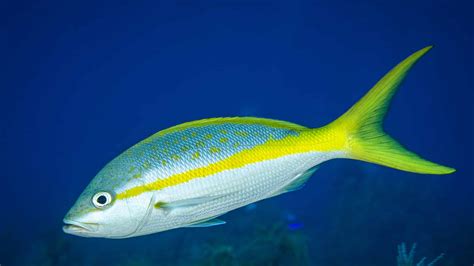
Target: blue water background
{"x": 82, "y": 81}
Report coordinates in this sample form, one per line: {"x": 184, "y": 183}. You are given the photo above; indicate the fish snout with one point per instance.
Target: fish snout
{"x": 79, "y": 228}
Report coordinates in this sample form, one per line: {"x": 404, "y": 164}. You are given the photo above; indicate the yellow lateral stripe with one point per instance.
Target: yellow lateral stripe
{"x": 232, "y": 120}
{"x": 315, "y": 140}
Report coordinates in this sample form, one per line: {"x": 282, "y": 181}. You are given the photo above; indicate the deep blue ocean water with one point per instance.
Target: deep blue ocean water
{"x": 82, "y": 81}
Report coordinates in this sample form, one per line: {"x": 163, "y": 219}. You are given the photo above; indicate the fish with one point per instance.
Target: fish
{"x": 190, "y": 174}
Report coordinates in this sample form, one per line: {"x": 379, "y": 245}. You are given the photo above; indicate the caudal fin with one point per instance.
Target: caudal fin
{"x": 362, "y": 126}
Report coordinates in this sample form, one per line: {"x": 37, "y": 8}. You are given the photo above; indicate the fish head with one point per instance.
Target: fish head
{"x": 101, "y": 212}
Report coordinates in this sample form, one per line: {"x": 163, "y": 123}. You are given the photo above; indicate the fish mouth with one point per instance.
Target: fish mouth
{"x": 79, "y": 228}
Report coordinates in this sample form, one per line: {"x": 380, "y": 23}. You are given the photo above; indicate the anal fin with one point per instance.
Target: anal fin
{"x": 298, "y": 182}
{"x": 208, "y": 222}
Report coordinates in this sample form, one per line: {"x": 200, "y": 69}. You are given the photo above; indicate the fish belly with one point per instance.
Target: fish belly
{"x": 231, "y": 189}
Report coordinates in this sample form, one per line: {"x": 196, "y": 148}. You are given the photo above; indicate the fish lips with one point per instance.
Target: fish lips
{"x": 79, "y": 228}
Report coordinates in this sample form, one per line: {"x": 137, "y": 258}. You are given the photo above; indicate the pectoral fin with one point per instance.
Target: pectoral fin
{"x": 184, "y": 202}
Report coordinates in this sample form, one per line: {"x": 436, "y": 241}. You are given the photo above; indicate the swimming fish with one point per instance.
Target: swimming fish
{"x": 190, "y": 174}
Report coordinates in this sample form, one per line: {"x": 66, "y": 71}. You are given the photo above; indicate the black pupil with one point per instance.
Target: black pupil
{"x": 102, "y": 199}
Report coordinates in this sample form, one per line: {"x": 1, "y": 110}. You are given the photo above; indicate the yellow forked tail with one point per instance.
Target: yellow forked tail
{"x": 361, "y": 126}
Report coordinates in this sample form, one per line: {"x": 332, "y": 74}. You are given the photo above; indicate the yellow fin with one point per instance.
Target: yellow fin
{"x": 362, "y": 128}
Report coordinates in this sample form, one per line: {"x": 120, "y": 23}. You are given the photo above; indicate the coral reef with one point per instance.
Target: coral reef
{"x": 408, "y": 259}
{"x": 52, "y": 249}
{"x": 138, "y": 261}
{"x": 275, "y": 245}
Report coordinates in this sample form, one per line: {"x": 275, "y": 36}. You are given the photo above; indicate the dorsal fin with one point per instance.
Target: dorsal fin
{"x": 232, "y": 120}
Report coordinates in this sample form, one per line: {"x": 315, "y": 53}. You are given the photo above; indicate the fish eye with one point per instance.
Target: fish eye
{"x": 101, "y": 199}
